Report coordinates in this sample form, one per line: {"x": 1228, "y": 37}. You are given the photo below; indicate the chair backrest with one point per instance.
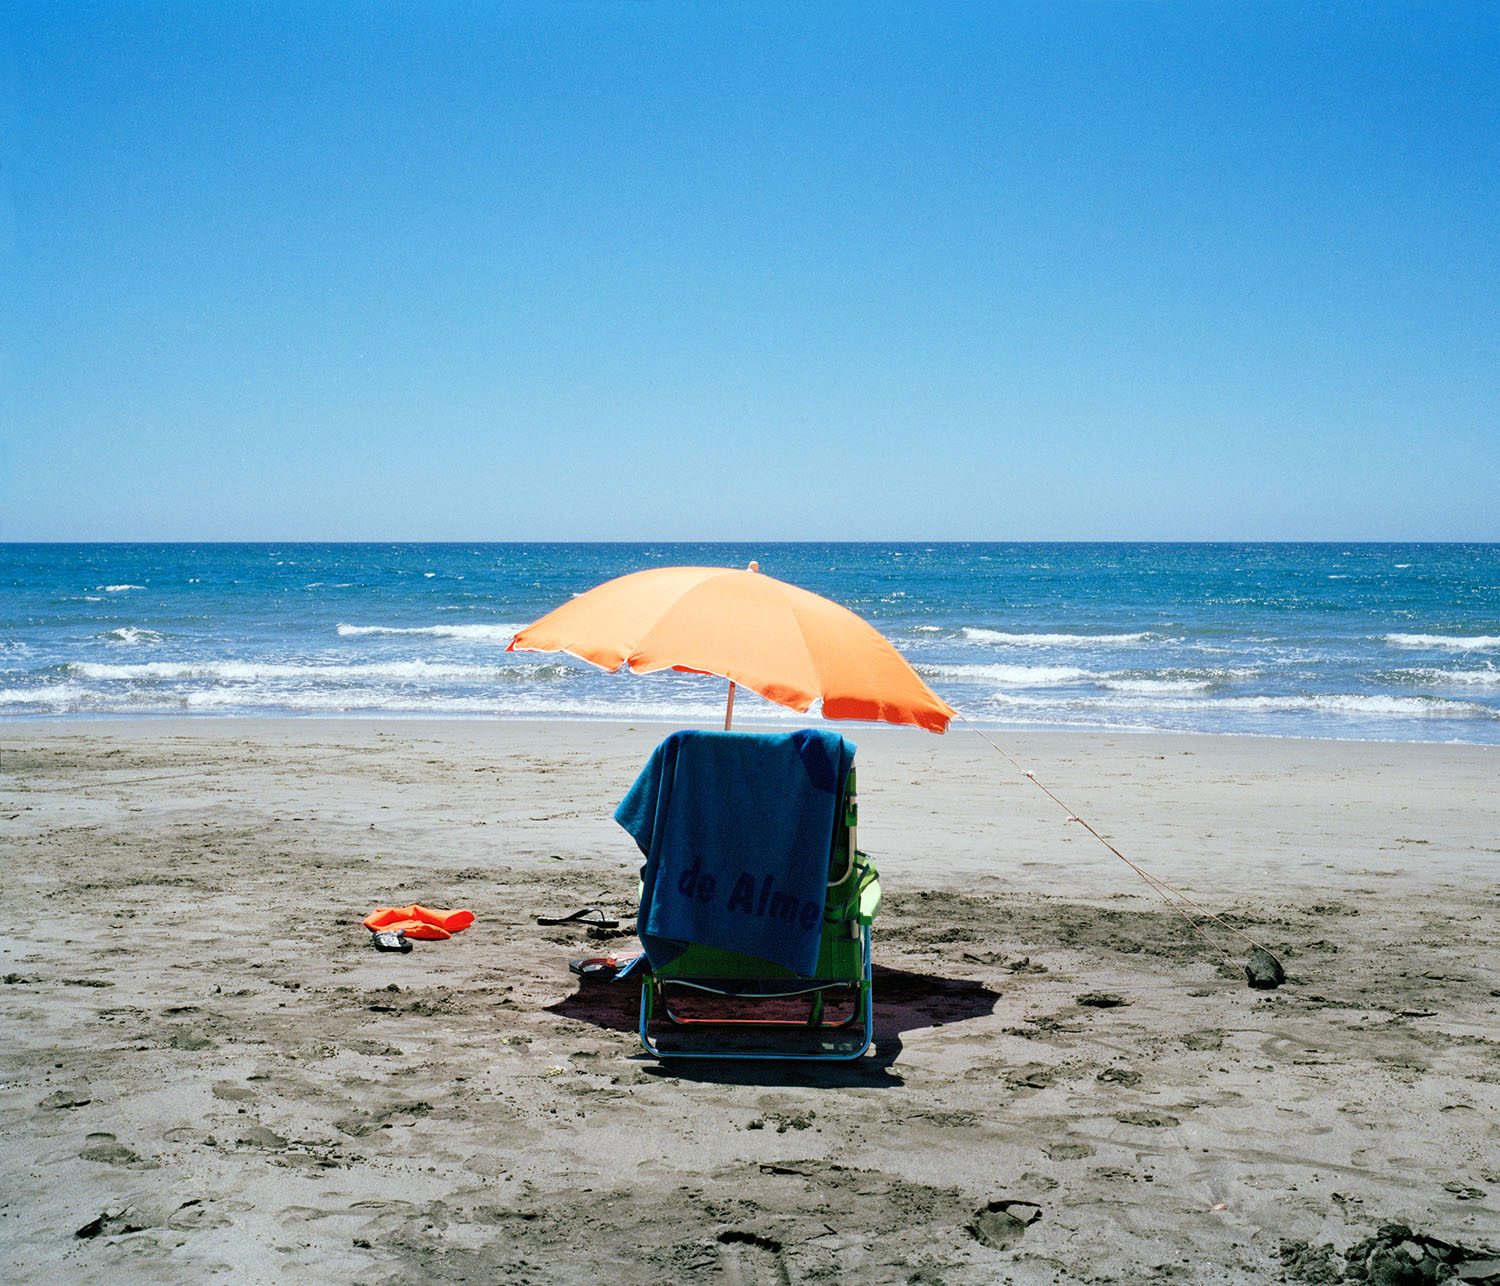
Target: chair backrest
{"x": 742, "y": 833}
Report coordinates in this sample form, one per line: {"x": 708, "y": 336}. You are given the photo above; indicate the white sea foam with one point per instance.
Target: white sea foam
{"x": 480, "y": 633}
{"x": 976, "y": 634}
{"x": 527, "y": 704}
{"x": 134, "y": 634}
{"x": 1364, "y": 704}
{"x": 1009, "y": 675}
{"x": 1487, "y": 678}
{"x": 1358, "y": 704}
{"x": 1450, "y": 642}
{"x": 268, "y": 672}
{"x": 1157, "y": 687}
{"x": 51, "y": 696}
{"x": 119, "y": 589}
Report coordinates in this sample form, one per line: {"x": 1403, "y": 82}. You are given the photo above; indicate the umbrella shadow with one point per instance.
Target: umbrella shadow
{"x": 904, "y": 1001}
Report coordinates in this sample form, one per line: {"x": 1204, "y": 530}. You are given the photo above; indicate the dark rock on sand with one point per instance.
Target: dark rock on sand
{"x": 1316, "y": 1265}
{"x": 1397, "y": 1256}
{"x": 1264, "y": 970}
{"x": 1394, "y": 1256}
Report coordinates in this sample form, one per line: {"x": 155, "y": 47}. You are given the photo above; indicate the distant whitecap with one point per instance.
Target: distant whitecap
{"x": 1452, "y": 642}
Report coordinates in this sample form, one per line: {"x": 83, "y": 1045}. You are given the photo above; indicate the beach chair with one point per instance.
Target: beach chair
{"x": 707, "y": 994}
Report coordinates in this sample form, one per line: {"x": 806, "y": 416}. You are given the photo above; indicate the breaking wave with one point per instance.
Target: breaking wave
{"x": 1348, "y": 704}
{"x": 975, "y": 634}
{"x": 261, "y": 671}
{"x": 133, "y": 634}
{"x": 1009, "y": 675}
{"x": 1451, "y": 642}
{"x": 475, "y": 633}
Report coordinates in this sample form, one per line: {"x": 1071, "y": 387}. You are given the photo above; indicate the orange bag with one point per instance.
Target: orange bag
{"x": 419, "y": 921}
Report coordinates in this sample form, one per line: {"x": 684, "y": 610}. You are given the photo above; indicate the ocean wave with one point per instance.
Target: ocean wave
{"x": 480, "y": 633}
{"x": 512, "y": 704}
{"x": 1157, "y": 687}
{"x": 1165, "y": 682}
{"x": 1357, "y": 704}
{"x": 674, "y": 701}
{"x": 1433, "y": 676}
{"x": 133, "y": 634}
{"x": 50, "y": 696}
{"x": 262, "y": 672}
{"x": 1008, "y": 675}
{"x": 976, "y": 634}
{"x": 118, "y": 589}
{"x": 1452, "y": 642}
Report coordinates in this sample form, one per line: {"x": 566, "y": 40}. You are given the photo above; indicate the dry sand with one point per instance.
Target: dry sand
{"x": 207, "y": 1070}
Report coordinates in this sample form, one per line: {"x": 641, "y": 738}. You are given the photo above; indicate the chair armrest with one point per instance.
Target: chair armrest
{"x": 869, "y": 897}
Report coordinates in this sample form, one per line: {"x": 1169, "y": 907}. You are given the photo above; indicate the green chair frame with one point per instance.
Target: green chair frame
{"x": 712, "y": 1003}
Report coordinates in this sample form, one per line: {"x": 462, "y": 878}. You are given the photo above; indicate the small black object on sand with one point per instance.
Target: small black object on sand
{"x": 590, "y": 916}
{"x": 1264, "y": 970}
{"x": 391, "y": 940}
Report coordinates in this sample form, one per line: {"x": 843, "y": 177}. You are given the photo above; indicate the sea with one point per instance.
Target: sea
{"x": 1343, "y": 641}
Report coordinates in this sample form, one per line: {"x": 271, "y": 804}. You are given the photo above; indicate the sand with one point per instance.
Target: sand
{"x": 208, "y": 1071}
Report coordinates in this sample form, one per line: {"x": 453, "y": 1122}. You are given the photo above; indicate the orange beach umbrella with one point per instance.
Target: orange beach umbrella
{"x": 791, "y": 646}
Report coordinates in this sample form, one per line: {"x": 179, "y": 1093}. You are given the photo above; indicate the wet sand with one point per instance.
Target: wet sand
{"x": 207, "y": 1070}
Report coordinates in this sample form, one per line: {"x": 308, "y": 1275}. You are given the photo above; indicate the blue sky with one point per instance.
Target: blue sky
{"x": 648, "y": 270}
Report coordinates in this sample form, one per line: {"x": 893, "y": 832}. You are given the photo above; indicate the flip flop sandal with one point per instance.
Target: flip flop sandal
{"x": 603, "y": 968}
{"x": 590, "y": 917}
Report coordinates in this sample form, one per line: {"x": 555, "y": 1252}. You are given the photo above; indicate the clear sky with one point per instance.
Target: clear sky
{"x": 648, "y": 270}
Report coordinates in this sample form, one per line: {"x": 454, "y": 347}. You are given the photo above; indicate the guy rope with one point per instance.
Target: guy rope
{"x": 1162, "y": 889}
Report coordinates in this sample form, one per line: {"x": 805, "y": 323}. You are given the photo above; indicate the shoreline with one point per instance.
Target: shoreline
{"x": 743, "y": 723}
{"x": 209, "y": 1066}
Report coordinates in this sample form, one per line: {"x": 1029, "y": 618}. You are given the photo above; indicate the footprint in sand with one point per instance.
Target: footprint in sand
{"x": 197, "y": 1215}
{"x": 256, "y": 1135}
{"x": 108, "y": 1150}
{"x": 1124, "y": 1076}
{"x": 59, "y": 1100}
{"x": 750, "y": 1259}
{"x": 1204, "y": 1040}
{"x": 186, "y": 1038}
{"x": 190, "y": 1134}
{"x": 1000, "y": 1224}
{"x": 1151, "y": 1120}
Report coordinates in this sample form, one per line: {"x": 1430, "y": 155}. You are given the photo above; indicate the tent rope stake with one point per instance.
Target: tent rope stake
{"x": 1162, "y": 889}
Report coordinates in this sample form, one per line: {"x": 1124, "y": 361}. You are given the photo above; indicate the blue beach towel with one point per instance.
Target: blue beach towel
{"x": 736, "y": 829}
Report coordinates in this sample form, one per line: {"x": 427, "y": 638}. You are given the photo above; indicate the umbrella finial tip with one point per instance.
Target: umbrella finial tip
{"x": 754, "y": 566}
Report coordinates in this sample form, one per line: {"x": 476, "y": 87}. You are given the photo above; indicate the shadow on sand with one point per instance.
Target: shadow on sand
{"x": 904, "y": 1001}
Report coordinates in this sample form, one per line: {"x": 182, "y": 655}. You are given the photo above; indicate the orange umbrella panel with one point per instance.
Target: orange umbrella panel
{"x": 786, "y": 643}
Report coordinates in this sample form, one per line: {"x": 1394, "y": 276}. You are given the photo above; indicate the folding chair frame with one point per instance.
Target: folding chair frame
{"x": 746, "y": 983}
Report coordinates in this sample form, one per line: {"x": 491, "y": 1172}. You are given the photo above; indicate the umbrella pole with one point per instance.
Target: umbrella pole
{"x": 729, "y": 709}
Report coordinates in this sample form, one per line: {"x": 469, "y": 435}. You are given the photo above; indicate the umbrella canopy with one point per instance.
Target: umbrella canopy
{"x": 791, "y": 646}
